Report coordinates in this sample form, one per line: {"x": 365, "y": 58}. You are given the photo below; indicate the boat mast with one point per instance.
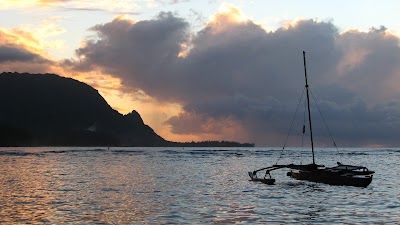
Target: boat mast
{"x": 308, "y": 104}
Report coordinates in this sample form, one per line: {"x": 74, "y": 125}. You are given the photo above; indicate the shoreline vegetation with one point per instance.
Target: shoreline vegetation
{"x": 211, "y": 144}
{"x": 206, "y": 144}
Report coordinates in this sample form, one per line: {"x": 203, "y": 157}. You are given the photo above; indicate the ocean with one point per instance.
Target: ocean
{"x": 78, "y": 185}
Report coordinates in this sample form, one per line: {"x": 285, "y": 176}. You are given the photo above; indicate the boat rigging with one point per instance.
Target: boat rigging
{"x": 348, "y": 175}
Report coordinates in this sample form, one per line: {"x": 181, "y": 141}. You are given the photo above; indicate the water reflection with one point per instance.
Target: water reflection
{"x": 136, "y": 186}
{"x": 26, "y": 186}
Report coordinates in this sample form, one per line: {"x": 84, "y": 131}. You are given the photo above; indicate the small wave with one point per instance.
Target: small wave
{"x": 221, "y": 152}
{"x": 170, "y": 151}
{"x": 390, "y": 150}
{"x": 135, "y": 152}
{"x": 74, "y": 151}
{"x": 265, "y": 152}
{"x": 15, "y": 153}
{"x": 355, "y": 153}
{"x": 207, "y": 152}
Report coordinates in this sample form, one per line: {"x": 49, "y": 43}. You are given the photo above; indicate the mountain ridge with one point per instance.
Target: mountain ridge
{"x": 47, "y": 109}
{"x": 51, "y": 110}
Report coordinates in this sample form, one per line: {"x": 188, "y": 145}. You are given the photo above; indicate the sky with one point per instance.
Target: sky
{"x": 222, "y": 70}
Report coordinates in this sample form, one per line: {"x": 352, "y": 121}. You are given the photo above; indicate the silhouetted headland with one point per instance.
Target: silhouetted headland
{"x": 50, "y": 110}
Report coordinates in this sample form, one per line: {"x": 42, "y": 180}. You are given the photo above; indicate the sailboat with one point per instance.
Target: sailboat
{"x": 347, "y": 175}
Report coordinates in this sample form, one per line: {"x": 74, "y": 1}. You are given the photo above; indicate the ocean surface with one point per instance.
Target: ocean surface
{"x": 76, "y": 185}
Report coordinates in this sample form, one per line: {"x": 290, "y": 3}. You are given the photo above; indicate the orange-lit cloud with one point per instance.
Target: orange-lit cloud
{"x": 6, "y": 4}
{"x": 25, "y": 49}
{"x": 20, "y": 38}
{"x": 20, "y": 51}
{"x": 351, "y": 60}
{"x": 125, "y": 6}
{"x": 201, "y": 127}
{"x": 232, "y": 79}
{"x": 38, "y": 38}
{"x": 226, "y": 16}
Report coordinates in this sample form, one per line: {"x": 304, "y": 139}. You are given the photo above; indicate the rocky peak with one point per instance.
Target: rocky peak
{"x": 134, "y": 117}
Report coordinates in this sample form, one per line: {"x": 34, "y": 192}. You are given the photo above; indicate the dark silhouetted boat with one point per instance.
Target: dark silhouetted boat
{"x": 348, "y": 175}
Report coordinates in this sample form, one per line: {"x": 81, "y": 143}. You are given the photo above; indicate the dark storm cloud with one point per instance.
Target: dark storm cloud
{"x": 236, "y": 71}
{"x": 15, "y": 54}
{"x": 379, "y": 66}
{"x": 143, "y": 54}
{"x": 18, "y": 55}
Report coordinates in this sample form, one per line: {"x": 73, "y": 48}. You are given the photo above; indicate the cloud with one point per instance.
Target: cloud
{"x": 119, "y": 7}
{"x": 12, "y": 54}
{"x": 158, "y": 40}
{"x": 171, "y": 1}
{"x": 36, "y": 38}
{"x": 235, "y": 75}
{"x": 7, "y": 4}
{"x": 376, "y": 55}
{"x": 20, "y": 51}
{"x": 129, "y": 7}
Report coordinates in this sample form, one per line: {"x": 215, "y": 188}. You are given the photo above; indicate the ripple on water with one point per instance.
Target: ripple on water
{"x": 194, "y": 186}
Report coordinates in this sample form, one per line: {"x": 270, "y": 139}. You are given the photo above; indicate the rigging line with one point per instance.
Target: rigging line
{"x": 287, "y": 137}
{"x": 326, "y": 125}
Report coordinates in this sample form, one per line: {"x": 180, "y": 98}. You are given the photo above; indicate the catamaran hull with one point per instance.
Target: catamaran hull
{"x": 332, "y": 178}
{"x": 269, "y": 181}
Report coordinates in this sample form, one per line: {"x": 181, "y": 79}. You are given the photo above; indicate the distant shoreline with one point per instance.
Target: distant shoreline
{"x": 169, "y": 144}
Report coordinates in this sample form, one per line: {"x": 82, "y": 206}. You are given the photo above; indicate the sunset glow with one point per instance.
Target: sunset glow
{"x": 209, "y": 70}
